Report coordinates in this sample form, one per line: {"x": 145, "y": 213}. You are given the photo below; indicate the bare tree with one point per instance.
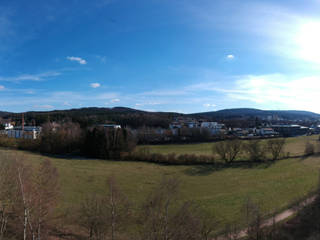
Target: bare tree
{"x": 104, "y": 214}
{"x": 92, "y": 216}
{"x": 309, "y": 149}
{"x": 165, "y": 216}
{"x": 118, "y": 206}
{"x": 24, "y": 196}
{"x": 228, "y": 150}
{"x": 255, "y": 150}
{"x": 253, "y": 220}
{"x": 7, "y": 194}
{"x": 275, "y": 146}
{"x": 156, "y": 210}
{"x": 46, "y": 192}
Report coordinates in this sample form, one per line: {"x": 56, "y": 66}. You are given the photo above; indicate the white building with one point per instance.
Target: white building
{"x": 115, "y": 126}
{"x": 213, "y": 127}
{"x": 8, "y": 126}
{"x": 26, "y": 133}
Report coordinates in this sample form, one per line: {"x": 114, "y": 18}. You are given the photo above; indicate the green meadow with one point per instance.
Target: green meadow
{"x": 295, "y": 146}
{"x": 222, "y": 192}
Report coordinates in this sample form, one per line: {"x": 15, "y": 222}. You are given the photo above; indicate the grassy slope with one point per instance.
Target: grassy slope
{"x": 293, "y": 145}
{"x": 221, "y": 192}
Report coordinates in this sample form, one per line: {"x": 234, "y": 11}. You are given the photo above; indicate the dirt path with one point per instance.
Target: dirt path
{"x": 276, "y": 219}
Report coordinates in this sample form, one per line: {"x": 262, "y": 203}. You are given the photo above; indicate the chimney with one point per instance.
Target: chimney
{"x": 22, "y": 122}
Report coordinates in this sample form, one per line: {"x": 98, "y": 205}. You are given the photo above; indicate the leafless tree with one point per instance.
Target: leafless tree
{"x": 275, "y": 146}
{"x": 118, "y": 206}
{"x": 255, "y": 150}
{"x": 309, "y": 149}
{"x": 46, "y": 192}
{"x": 7, "y": 193}
{"x": 104, "y": 214}
{"x": 253, "y": 220}
{"x": 165, "y": 216}
{"x": 228, "y": 150}
{"x": 92, "y": 216}
{"x": 24, "y": 196}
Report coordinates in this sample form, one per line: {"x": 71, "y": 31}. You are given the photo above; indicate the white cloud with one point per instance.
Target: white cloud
{"x": 282, "y": 91}
{"x": 67, "y": 104}
{"x": 78, "y": 59}
{"x": 95, "y": 85}
{"x": 2, "y": 87}
{"x": 44, "y": 107}
{"x": 230, "y": 57}
{"x": 115, "y": 100}
{"x": 209, "y": 105}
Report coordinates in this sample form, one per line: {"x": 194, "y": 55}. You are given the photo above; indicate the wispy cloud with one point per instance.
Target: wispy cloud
{"x": 165, "y": 92}
{"x": 77, "y": 59}
{"x": 288, "y": 92}
{"x": 2, "y": 87}
{"x": 95, "y": 85}
{"x": 102, "y": 59}
{"x": 31, "y": 77}
{"x": 115, "y": 100}
{"x": 43, "y": 107}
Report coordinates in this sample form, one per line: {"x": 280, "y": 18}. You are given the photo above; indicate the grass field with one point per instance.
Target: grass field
{"x": 293, "y": 145}
{"x": 222, "y": 192}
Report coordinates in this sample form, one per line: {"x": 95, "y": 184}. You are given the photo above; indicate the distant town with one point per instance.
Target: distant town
{"x": 186, "y": 128}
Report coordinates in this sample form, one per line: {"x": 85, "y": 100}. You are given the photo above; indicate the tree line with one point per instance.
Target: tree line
{"x": 69, "y": 138}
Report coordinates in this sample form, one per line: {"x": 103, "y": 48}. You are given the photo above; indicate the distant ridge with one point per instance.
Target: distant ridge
{"x": 252, "y": 112}
{"x": 221, "y": 114}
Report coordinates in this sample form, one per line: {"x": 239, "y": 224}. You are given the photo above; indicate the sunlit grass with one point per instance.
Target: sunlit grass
{"x": 222, "y": 192}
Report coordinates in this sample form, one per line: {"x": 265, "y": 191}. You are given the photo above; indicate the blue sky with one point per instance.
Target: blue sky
{"x": 159, "y": 55}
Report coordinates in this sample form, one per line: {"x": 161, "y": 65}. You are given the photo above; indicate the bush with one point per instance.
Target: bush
{"x": 275, "y": 146}
{"x": 309, "y": 149}
{"x": 28, "y": 144}
{"x": 256, "y": 151}
{"x": 8, "y": 142}
{"x": 171, "y": 158}
{"x": 228, "y": 150}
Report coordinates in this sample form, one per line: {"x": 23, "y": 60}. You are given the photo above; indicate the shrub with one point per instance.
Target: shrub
{"x": 255, "y": 150}
{"x": 228, "y": 150}
{"x": 8, "y": 142}
{"x": 309, "y": 149}
{"x": 275, "y": 146}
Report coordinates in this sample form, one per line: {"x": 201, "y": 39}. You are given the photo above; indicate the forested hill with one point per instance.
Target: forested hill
{"x": 93, "y": 115}
{"x": 251, "y": 112}
{"x": 137, "y": 118}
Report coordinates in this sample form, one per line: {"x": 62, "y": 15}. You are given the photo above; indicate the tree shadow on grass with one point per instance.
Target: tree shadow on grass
{"x": 205, "y": 170}
{"x": 306, "y": 156}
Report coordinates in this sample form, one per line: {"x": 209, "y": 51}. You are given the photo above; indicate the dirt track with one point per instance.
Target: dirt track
{"x": 276, "y": 219}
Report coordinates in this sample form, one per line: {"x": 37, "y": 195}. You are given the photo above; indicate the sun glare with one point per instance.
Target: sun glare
{"x": 308, "y": 41}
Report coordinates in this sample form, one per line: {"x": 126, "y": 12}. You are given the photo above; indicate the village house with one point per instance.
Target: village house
{"x": 25, "y": 132}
